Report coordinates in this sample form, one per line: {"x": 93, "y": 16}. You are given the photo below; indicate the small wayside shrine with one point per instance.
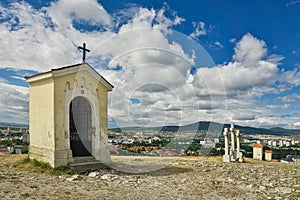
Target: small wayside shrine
{"x": 68, "y": 115}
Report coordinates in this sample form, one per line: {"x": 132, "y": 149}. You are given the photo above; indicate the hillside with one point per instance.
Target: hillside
{"x": 10, "y": 124}
{"x": 200, "y": 126}
{"x": 204, "y": 126}
{"x": 185, "y": 178}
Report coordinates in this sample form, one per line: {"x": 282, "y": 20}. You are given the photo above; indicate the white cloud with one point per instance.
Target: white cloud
{"x": 243, "y": 116}
{"x": 249, "y": 76}
{"x": 290, "y": 78}
{"x": 249, "y": 50}
{"x": 238, "y": 75}
{"x": 152, "y": 68}
{"x": 218, "y": 44}
{"x": 297, "y": 124}
{"x": 292, "y": 3}
{"x": 199, "y": 29}
{"x": 290, "y": 98}
{"x": 31, "y": 42}
{"x": 285, "y": 106}
{"x": 165, "y": 22}
{"x": 63, "y": 13}
{"x": 13, "y": 103}
{"x": 232, "y": 40}
{"x": 275, "y": 59}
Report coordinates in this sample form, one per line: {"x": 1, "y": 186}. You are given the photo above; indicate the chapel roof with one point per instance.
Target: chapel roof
{"x": 57, "y": 70}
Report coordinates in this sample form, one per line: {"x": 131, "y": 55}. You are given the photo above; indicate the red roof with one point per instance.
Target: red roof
{"x": 258, "y": 145}
{"x": 268, "y": 151}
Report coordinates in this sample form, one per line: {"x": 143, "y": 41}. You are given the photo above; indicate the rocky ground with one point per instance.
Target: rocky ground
{"x": 184, "y": 178}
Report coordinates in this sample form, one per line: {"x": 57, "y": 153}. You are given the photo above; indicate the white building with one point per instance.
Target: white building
{"x": 217, "y": 140}
{"x": 293, "y": 142}
{"x": 258, "y": 151}
{"x": 268, "y": 155}
{"x": 287, "y": 143}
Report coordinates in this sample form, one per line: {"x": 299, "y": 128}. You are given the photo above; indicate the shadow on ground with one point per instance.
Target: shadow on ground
{"x": 153, "y": 170}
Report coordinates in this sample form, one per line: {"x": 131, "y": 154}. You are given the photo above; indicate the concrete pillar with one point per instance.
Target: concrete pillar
{"x": 237, "y": 144}
{"x": 226, "y": 140}
{"x": 226, "y": 157}
{"x": 232, "y": 136}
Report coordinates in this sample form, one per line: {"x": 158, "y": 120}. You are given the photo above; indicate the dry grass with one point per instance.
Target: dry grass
{"x": 182, "y": 178}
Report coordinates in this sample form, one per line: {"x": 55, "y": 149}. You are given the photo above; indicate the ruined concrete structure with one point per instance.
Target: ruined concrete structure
{"x": 232, "y": 145}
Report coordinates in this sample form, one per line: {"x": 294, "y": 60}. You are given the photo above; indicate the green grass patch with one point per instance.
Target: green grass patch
{"x": 63, "y": 170}
{"x": 40, "y": 166}
{"x": 25, "y": 160}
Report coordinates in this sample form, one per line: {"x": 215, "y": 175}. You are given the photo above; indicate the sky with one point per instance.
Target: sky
{"x": 171, "y": 62}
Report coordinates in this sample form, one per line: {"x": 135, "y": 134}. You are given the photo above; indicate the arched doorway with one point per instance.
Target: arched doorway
{"x": 80, "y": 127}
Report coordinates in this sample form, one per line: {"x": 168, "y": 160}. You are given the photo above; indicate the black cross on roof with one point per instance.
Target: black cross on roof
{"x": 83, "y": 51}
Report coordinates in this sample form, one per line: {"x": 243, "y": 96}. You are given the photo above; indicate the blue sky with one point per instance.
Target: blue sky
{"x": 275, "y": 22}
{"x": 171, "y": 62}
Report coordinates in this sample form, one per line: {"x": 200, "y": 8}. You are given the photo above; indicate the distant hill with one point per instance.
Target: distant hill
{"x": 217, "y": 127}
{"x": 13, "y": 125}
{"x": 200, "y": 126}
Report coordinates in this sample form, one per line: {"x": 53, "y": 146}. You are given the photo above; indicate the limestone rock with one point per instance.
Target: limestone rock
{"x": 109, "y": 177}
{"x": 73, "y": 178}
{"x": 93, "y": 174}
